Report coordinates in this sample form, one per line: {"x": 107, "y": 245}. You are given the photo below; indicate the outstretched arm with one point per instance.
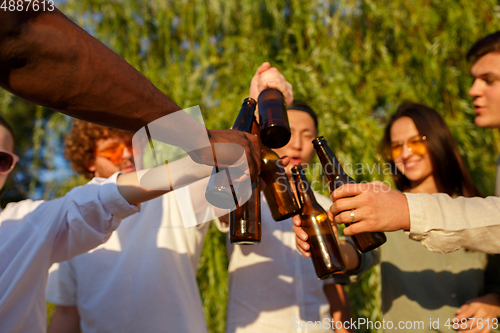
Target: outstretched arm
{"x": 439, "y": 222}
{"x": 144, "y": 185}
{"x": 48, "y": 60}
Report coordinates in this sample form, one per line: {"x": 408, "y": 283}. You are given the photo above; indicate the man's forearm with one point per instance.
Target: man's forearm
{"x": 339, "y": 306}
{"x": 48, "y": 60}
{"x": 144, "y": 185}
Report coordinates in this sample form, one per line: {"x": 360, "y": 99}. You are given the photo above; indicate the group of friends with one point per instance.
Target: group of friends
{"x": 121, "y": 260}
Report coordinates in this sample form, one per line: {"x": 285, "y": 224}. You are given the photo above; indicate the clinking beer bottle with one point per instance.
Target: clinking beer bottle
{"x": 278, "y": 192}
{"x": 244, "y": 221}
{"x": 324, "y": 248}
{"x": 275, "y": 129}
{"x": 337, "y": 177}
{"x": 220, "y": 192}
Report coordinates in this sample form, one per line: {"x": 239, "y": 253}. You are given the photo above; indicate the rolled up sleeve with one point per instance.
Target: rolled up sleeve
{"x": 444, "y": 224}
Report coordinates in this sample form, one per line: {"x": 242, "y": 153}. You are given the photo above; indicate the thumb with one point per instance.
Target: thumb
{"x": 262, "y": 68}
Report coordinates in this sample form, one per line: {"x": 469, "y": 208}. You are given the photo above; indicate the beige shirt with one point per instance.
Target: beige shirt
{"x": 443, "y": 224}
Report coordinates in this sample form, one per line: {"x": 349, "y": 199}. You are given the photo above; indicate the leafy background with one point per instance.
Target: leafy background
{"x": 354, "y": 61}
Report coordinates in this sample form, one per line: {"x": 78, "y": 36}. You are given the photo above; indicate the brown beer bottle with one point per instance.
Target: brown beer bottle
{"x": 220, "y": 192}
{"x": 337, "y": 177}
{"x": 278, "y": 191}
{"x": 244, "y": 221}
{"x": 325, "y": 252}
{"x": 275, "y": 129}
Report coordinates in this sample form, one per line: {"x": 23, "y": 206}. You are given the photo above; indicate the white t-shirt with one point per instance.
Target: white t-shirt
{"x": 272, "y": 287}
{"x": 34, "y": 235}
{"x": 143, "y": 279}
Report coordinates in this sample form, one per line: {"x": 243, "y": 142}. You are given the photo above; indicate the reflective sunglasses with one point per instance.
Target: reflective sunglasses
{"x": 7, "y": 161}
{"x": 114, "y": 153}
{"x": 415, "y": 144}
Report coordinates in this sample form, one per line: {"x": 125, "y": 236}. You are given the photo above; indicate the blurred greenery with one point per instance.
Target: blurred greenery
{"x": 354, "y": 61}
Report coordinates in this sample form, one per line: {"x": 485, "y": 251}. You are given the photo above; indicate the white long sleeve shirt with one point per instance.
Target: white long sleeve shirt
{"x": 143, "y": 279}
{"x": 35, "y": 234}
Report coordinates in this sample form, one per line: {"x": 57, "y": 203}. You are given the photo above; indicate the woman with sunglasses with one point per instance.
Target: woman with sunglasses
{"x": 426, "y": 288}
{"x": 418, "y": 285}
{"x": 36, "y": 234}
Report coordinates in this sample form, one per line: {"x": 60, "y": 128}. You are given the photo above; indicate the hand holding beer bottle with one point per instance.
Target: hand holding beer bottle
{"x": 244, "y": 221}
{"x": 337, "y": 177}
{"x": 220, "y": 190}
{"x": 324, "y": 248}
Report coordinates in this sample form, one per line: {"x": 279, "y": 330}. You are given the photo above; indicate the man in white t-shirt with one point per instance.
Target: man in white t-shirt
{"x": 143, "y": 279}
{"x": 272, "y": 287}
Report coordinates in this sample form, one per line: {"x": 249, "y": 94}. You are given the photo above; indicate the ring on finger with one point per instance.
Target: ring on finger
{"x": 353, "y": 219}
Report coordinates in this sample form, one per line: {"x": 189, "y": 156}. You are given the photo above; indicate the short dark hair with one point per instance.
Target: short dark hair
{"x": 485, "y": 45}
{"x": 303, "y": 106}
{"x": 449, "y": 171}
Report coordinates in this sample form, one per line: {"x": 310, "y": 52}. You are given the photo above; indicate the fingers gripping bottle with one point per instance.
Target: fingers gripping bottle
{"x": 365, "y": 241}
{"x": 325, "y": 252}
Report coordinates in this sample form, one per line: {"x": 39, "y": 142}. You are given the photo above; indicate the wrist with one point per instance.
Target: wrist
{"x": 494, "y": 296}
{"x": 350, "y": 255}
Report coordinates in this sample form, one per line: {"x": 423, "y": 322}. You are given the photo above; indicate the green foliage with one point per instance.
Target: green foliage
{"x": 354, "y": 61}
{"x": 212, "y": 279}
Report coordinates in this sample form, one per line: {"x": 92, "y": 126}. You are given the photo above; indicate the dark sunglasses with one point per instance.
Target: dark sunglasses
{"x": 7, "y": 161}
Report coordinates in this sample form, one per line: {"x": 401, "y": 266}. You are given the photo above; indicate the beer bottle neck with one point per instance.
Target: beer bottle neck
{"x": 331, "y": 166}
{"x": 304, "y": 190}
{"x": 244, "y": 121}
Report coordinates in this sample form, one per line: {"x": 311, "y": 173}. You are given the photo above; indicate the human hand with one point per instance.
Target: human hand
{"x": 349, "y": 252}
{"x": 227, "y": 148}
{"x": 376, "y": 206}
{"x": 269, "y": 77}
{"x": 481, "y": 314}
{"x": 301, "y": 236}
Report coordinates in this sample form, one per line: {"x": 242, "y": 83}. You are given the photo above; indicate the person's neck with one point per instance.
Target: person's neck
{"x": 427, "y": 185}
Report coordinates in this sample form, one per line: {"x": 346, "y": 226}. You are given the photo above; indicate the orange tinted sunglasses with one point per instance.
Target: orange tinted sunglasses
{"x": 114, "y": 153}
{"x": 415, "y": 144}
